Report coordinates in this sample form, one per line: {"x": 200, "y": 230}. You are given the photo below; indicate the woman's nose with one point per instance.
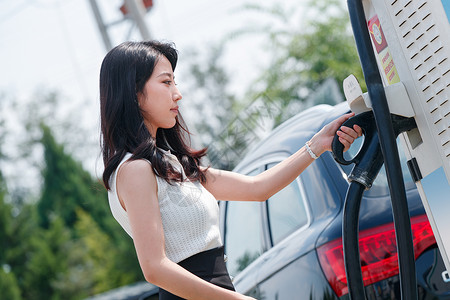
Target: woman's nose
{"x": 177, "y": 95}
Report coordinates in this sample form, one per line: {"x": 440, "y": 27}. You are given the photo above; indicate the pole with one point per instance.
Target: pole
{"x": 137, "y": 11}
{"x": 101, "y": 25}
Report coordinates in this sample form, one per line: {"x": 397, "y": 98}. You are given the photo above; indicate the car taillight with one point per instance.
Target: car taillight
{"x": 378, "y": 251}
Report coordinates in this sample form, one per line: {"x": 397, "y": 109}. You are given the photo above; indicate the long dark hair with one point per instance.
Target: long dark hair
{"x": 123, "y": 74}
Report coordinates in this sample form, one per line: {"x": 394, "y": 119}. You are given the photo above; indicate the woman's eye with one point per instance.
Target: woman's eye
{"x": 168, "y": 82}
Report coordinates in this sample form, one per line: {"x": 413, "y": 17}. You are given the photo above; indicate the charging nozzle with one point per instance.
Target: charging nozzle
{"x": 369, "y": 160}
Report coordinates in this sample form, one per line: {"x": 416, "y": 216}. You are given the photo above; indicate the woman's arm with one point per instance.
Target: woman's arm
{"x": 226, "y": 185}
{"x": 137, "y": 189}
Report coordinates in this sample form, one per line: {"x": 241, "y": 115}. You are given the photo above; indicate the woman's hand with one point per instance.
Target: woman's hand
{"x": 322, "y": 140}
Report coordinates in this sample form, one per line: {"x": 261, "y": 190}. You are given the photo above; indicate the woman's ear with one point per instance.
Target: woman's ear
{"x": 138, "y": 98}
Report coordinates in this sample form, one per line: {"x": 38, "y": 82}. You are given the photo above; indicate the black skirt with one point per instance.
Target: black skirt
{"x": 208, "y": 265}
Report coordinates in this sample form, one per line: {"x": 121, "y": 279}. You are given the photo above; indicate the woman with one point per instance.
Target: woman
{"x": 157, "y": 189}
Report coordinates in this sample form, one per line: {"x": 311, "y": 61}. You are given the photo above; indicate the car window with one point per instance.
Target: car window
{"x": 380, "y": 185}
{"x": 286, "y": 211}
{"x": 243, "y": 233}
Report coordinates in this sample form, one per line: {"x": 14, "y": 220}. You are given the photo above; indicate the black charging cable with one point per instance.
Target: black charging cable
{"x": 368, "y": 163}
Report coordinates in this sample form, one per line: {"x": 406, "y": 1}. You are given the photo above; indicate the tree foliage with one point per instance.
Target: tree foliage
{"x": 8, "y": 282}
{"x": 47, "y": 261}
{"x": 208, "y": 86}
{"x": 101, "y": 255}
{"x": 67, "y": 186}
{"x": 102, "y": 247}
{"x": 8, "y": 285}
{"x": 306, "y": 55}
{"x": 6, "y": 220}
{"x": 66, "y": 245}
{"x": 306, "y": 63}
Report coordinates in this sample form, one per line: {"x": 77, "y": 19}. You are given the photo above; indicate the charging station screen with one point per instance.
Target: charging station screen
{"x": 446, "y": 4}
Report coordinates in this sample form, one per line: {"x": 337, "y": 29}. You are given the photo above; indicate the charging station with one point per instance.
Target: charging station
{"x": 409, "y": 42}
{"x": 417, "y": 38}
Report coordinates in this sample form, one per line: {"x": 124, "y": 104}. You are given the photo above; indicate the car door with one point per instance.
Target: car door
{"x": 244, "y": 238}
{"x": 290, "y": 269}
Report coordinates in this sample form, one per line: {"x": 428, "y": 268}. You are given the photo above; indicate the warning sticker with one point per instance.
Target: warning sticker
{"x": 381, "y": 46}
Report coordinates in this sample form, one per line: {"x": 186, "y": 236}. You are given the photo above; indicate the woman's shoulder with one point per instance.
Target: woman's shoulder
{"x": 136, "y": 167}
{"x": 136, "y": 177}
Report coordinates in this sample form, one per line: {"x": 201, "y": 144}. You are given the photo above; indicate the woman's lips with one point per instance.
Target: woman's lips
{"x": 175, "y": 110}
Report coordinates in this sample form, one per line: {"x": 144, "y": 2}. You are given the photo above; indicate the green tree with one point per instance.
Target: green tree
{"x": 20, "y": 249}
{"x": 43, "y": 252}
{"x": 91, "y": 262}
{"x": 67, "y": 186}
{"x": 99, "y": 245}
{"x": 5, "y": 209}
{"x": 229, "y": 126}
{"x": 308, "y": 55}
{"x": 8, "y": 285}
{"x": 5, "y": 221}
{"x": 306, "y": 64}
{"x": 208, "y": 91}
{"x": 8, "y": 282}
{"x": 47, "y": 261}
{"x": 100, "y": 255}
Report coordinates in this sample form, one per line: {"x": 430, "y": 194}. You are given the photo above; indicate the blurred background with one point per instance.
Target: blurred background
{"x": 244, "y": 67}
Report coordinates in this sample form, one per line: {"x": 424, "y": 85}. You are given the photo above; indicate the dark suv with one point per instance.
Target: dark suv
{"x": 290, "y": 247}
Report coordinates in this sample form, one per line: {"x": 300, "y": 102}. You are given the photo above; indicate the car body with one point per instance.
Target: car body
{"x": 290, "y": 246}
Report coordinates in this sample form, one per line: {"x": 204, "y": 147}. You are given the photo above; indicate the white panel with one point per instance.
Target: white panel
{"x": 418, "y": 37}
{"x": 421, "y": 56}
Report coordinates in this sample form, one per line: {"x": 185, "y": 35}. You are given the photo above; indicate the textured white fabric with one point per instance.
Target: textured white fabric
{"x": 190, "y": 214}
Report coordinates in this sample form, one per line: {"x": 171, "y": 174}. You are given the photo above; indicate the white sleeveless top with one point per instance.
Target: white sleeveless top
{"x": 190, "y": 214}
